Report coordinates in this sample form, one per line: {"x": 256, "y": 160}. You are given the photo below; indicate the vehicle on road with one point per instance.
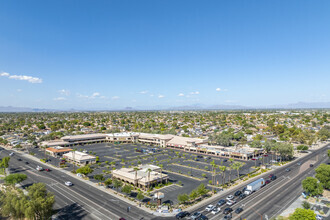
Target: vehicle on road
{"x": 202, "y": 217}
{"x": 299, "y": 163}
{"x": 225, "y": 160}
{"x": 238, "y": 210}
{"x": 230, "y": 197}
{"x": 39, "y": 168}
{"x": 26, "y": 162}
{"x": 237, "y": 193}
{"x": 287, "y": 169}
{"x": 227, "y": 217}
{"x": 19, "y": 159}
{"x": 267, "y": 181}
{"x": 242, "y": 196}
{"x": 195, "y": 215}
{"x": 68, "y": 183}
{"x": 271, "y": 175}
{"x": 273, "y": 161}
{"x": 209, "y": 208}
{"x": 273, "y": 178}
{"x": 227, "y": 211}
{"x": 182, "y": 214}
{"x": 215, "y": 210}
{"x": 253, "y": 158}
{"x": 11, "y": 154}
{"x": 221, "y": 202}
{"x": 48, "y": 170}
{"x": 254, "y": 186}
{"x": 311, "y": 165}
{"x": 231, "y": 202}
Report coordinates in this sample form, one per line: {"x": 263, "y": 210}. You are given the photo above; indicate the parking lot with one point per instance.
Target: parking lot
{"x": 186, "y": 170}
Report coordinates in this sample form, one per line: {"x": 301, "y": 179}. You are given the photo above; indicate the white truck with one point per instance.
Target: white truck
{"x": 254, "y": 186}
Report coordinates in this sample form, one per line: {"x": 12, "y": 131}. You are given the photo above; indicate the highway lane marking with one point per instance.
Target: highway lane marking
{"x": 73, "y": 201}
{"x": 245, "y": 201}
{"x": 90, "y": 201}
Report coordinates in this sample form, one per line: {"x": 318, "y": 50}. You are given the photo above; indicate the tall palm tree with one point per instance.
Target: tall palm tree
{"x": 223, "y": 170}
{"x": 161, "y": 173}
{"x": 231, "y": 160}
{"x": 135, "y": 179}
{"x": 148, "y": 171}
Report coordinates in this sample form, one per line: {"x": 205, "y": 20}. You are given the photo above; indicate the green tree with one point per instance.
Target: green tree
{"x": 312, "y": 186}
{"x": 183, "y": 198}
{"x": 15, "y": 178}
{"x": 126, "y": 189}
{"x": 201, "y": 189}
{"x": 108, "y": 182}
{"x": 140, "y": 196}
{"x": 323, "y": 175}
{"x": 99, "y": 177}
{"x": 306, "y": 205}
{"x": 193, "y": 195}
{"x": 41, "y": 202}
{"x": 85, "y": 170}
{"x": 13, "y": 203}
{"x": 117, "y": 184}
{"x": 5, "y": 163}
{"x": 305, "y": 214}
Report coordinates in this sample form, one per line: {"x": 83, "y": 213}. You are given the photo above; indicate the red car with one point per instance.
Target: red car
{"x": 253, "y": 158}
{"x": 47, "y": 170}
{"x": 265, "y": 155}
{"x": 267, "y": 181}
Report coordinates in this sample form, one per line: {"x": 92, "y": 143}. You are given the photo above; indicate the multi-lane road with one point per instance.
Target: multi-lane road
{"x": 273, "y": 198}
{"x": 80, "y": 201}
{"x": 83, "y": 201}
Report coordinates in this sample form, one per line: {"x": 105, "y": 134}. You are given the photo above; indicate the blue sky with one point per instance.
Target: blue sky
{"x": 114, "y": 54}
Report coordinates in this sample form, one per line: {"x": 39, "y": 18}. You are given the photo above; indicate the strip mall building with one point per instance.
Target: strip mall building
{"x": 188, "y": 144}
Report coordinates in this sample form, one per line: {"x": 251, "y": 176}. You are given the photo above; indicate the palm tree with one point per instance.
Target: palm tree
{"x": 231, "y": 163}
{"x": 238, "y": 166}
{"x": 161, "y": 173}
{"x": 223, "y": 169}
{"x": 135, "y": 179}
{"x": 255, "y": 161}
{"x": 148, "y": 171}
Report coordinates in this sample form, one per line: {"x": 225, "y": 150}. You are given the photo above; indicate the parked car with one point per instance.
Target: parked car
{"x": 253, "y": 158}
{"x": 231, "y": 202}
{"x": 267, "y": 181}
{"x": 311, "y": 165}
{"x": 182, "y": 214}
{"x": 319, "y": 217}
{"x": 195, "y": 215}
{"x": 271, "y": 175}
{"x": 221, "y": 202}
{"x": 215, "y": 210}
{"x": 299, "y": 163}
{"x": 230, "y": 197}
{"x": 225, "y": 160}
{"x": 209, "y": 208}
{"x": 227, "y": 211}
{"x": 26, "y": 162}
{"x": 242, "y": 196}
{"x": 237, "y": 193}
{"x": 68, "y": 183}
{"x": 238, "y": 210}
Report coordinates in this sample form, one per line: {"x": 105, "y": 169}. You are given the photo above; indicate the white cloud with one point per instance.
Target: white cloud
{"x": 181, "y": 94}
{"x": 161, "y": 96}
{"x": 144, "y": 92}
{"x": 30, "y": 79}
{"x": 96, "y": 94}
{"x": 64, "y": 92}
{"x": 19, "y": 90}
{"x": 218, "y": 89}
{"x": 194, "y": 93}
{"x": 115, "y": 97}
{"x": 59, "y": 99}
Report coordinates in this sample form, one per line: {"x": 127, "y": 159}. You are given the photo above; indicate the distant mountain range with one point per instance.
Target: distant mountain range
{"x": 298, "y": 105}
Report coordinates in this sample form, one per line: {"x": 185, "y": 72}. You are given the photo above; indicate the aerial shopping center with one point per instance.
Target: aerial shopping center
{"x": 188, "y": 144}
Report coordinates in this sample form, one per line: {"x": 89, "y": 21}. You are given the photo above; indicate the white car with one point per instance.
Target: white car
{"x": 231, "y": 202}
{"x": 209, "y": 208}
{"x": 68, "y": 183}
{"x": 39, "y": 168}
{"x": 215, "y": 210}
{"x": 11, "y": 154}
{"x": 230, "y": 197}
